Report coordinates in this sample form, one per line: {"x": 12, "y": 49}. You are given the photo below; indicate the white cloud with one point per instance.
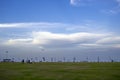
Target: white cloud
{"x": 80, "y": 39}
{"x": 88, "y": 26}
{"x": 80, "y": 2}
{"x": 75, "y": 2}
{"x": 114, "y": 10}
{"x": 31, "y": 24}
{"x": 91, "y": 45}
{"x": 73, "y": 37}
{"x": 109, "y": 40}
{"x": 48, "y": 39}
{"x": 9, "y": 25}
{"x": 19, "y": 41}
{"x": 49, "y": 26}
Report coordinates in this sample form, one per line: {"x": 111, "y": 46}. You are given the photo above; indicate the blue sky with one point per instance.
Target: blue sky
{"x": 61, "y": 27}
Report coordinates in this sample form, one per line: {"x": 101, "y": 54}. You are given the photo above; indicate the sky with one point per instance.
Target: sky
{"x": 84, "y": 29}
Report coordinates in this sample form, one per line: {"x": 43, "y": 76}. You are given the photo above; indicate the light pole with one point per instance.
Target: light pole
{"x": 98, "y": 59}
{"x": 6, "y": 54}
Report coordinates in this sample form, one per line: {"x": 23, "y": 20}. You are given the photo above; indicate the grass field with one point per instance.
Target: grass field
{"x": 60, "y": 71}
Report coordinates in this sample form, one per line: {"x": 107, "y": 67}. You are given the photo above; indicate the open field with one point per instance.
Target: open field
{"x": 60, "y": 71}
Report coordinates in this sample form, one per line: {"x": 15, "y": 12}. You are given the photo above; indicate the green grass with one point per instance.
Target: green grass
{"x": 60, "y": 71}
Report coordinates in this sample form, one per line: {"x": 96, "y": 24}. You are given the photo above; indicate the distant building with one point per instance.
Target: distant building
{"x": 7, "y": 60}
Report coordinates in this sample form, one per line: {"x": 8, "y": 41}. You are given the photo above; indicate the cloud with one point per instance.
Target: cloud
{"x": 109, "y": 40}
{"x": 80, "y": 2}
{"x": 30, "y": 24}
{"x": 19, "y": 41}
{"x": 75, "y": 2}
{"x": 59, "y": 40}
{"x": 73, "y": 36}
{"x": 91, "y": 45}
{"x": 113, "y": 11}
{"x": 49, "y": 26}
{"x": 63, "y": 40}
{"x": 46, "y": 43}
{"x": 88, "y": 26}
